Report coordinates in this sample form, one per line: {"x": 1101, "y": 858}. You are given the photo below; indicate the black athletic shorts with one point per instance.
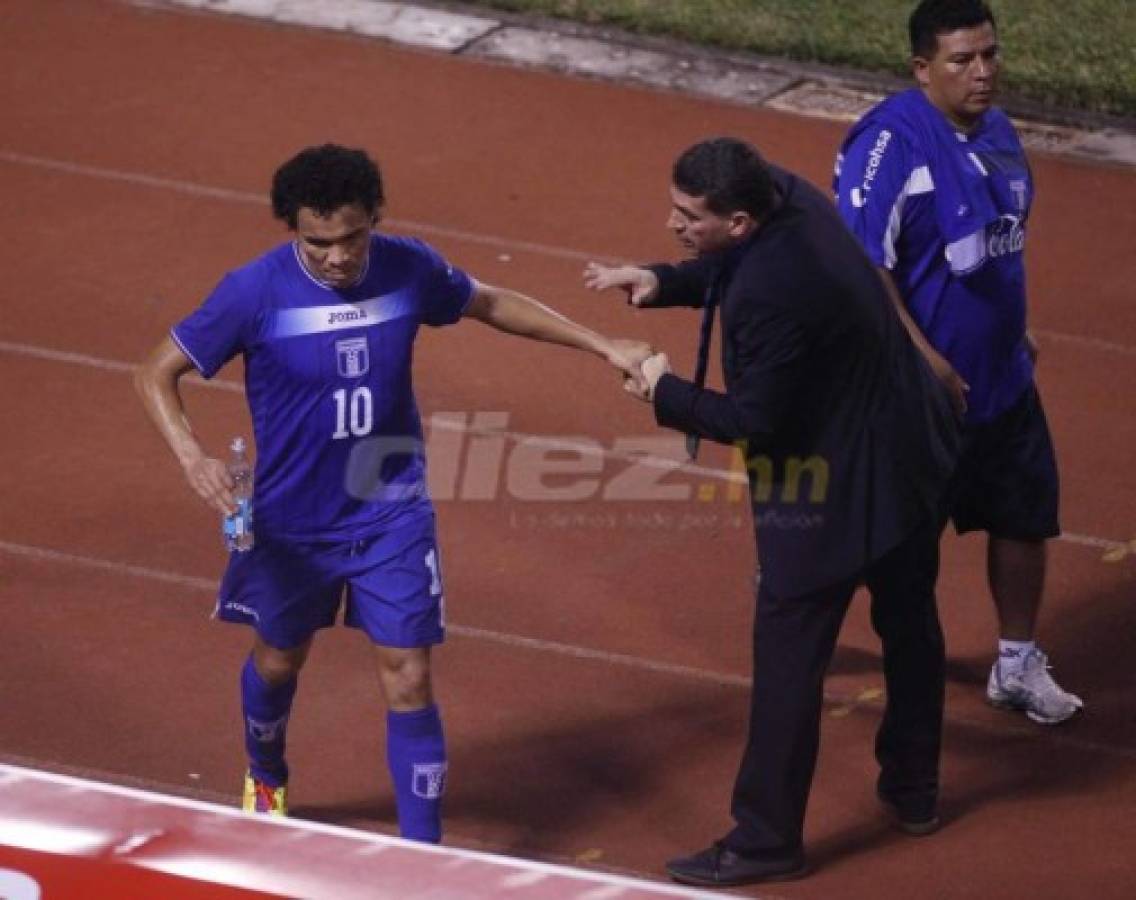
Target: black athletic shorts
{"x": 1006, "y": 483}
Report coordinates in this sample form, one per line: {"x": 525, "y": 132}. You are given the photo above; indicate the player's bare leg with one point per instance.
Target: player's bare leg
{"x": 404, "y": 675}
{"x": 1016, "y": 571}
{"x": 277, "y": 666}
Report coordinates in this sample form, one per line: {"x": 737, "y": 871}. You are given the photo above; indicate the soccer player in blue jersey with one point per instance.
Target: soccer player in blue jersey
{"x": 326, "y": 325}
{"x": 937, "y": 187}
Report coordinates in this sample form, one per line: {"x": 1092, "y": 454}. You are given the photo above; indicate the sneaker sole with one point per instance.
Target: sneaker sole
{"x": 249, "y": 800}
{"x": 1032, "y": 714}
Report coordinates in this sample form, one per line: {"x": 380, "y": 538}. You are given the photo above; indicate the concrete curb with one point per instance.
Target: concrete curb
{"x": 607, "y": 54}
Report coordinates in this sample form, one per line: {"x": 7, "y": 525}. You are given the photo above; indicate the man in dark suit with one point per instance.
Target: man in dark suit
{"x": 849, "y": 443}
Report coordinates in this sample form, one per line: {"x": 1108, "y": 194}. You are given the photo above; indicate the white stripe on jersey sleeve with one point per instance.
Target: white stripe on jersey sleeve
{"x": 918, "y": 182}
{"x": 197, "y": 365}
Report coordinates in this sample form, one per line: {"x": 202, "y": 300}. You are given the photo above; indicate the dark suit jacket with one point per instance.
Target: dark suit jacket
{"x": 849, "y": 438}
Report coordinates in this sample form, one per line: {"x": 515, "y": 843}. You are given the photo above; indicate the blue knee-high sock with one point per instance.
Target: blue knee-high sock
{"x": 416, "y": 753}
{"x": 266, "y": 709}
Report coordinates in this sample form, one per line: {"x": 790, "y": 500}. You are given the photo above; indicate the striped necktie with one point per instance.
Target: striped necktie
{"x": 705, "y": 334}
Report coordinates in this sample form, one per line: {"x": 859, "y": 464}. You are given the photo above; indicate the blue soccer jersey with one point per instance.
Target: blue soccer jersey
{"x": 328, "y": 379}
{"x": 946, "y": 213}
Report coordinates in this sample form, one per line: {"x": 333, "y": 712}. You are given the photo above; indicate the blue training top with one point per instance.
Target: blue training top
{"x": 946, "y": 214}
{"x": 328, "y": 379}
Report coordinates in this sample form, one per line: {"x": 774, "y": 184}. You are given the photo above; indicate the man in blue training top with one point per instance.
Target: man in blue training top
{"x": 935, "y": 184}
{"x": 326, "y": 324}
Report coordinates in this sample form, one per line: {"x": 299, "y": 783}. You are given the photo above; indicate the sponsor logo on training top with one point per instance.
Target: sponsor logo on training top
{"x": 1005, "y": 236}
{"x": 872, "y": 169}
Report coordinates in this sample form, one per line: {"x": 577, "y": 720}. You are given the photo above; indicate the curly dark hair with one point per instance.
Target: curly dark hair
{"x": 934, "y": 17}
{"x": 728, "y": 174}
{"x": 323, "y": 179}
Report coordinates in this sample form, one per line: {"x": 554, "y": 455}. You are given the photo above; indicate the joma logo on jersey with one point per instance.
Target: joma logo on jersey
{"x": 352, "y": 358}
{"x": 345, "y": 315}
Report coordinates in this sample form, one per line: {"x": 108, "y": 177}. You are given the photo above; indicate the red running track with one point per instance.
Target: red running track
{"x": 594, "y": 684}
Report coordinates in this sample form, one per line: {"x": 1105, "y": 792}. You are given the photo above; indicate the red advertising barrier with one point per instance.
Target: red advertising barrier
{"x": 62, "y": 837}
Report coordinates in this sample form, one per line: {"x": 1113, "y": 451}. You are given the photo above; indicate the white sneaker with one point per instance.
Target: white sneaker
{"x": 1032, "y": 689}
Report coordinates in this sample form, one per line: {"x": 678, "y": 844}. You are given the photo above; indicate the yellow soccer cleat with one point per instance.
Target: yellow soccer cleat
{"x": 263, "y": 798}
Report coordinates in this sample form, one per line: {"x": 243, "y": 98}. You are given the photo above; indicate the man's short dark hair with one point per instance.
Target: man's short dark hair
{"x": 323, "y": 179}
{"x": 728, "y": 175}
{"x": 934, "y": 17}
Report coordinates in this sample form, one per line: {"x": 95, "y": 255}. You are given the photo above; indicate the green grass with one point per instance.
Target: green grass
{"x": 1079, "y": 55}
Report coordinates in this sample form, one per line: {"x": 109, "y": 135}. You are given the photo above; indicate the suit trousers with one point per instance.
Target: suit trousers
{"x": 794, "y": 639}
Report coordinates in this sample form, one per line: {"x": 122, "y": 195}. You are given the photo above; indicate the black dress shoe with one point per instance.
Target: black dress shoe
{"x": 718, "y": 866}
{"x": 917, "y": 818}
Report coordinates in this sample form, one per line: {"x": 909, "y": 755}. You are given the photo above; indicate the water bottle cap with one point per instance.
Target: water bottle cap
{"x": 238, "y": 445}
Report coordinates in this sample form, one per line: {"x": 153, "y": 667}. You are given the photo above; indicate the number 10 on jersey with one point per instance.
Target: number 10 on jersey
{"x": 354, "y": 412}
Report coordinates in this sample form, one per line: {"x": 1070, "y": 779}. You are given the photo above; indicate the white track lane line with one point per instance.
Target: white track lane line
{"x": 841, "y": 702}
{"x": 44, "y": 554}
{"x": 194, "y": 189}
{"x": 732, "y": 476}
{"x": 220, "y": 384}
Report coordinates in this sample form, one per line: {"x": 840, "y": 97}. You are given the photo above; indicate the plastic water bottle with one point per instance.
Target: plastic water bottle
{"x": 237, "y": 528}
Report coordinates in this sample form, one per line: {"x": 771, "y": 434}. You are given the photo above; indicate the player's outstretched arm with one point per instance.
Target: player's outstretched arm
{"x": 514, "y": 313}
{"x": 640, "y": 285}
{"x": 156, "y": 382}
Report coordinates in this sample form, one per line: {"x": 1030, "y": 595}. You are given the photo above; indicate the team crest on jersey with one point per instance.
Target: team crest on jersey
{"x": 352, "y": 357}
{"x": 1018, "y": 186}
{"x": 429, "y": 780}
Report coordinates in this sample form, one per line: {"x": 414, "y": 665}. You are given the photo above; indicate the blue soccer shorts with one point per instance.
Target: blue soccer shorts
{"x": 389, "y": 584}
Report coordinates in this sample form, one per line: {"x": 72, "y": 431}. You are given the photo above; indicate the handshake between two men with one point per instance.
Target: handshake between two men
{"x": 641, "y": 287}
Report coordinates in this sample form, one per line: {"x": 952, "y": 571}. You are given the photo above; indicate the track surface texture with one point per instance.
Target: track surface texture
{"x": 595, "y": 679}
